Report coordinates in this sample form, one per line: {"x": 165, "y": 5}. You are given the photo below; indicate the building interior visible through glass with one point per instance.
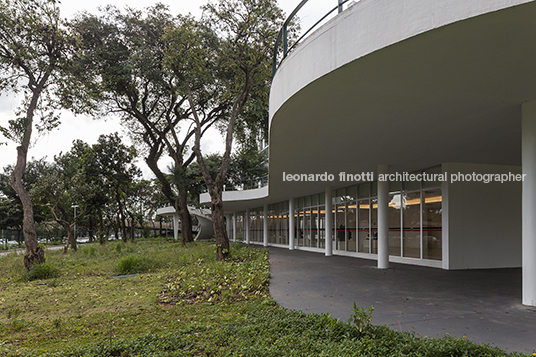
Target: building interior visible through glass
{"x": 414, "y": 220}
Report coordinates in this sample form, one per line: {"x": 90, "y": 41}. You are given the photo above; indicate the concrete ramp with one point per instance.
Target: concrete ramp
{"x": 205, "y": 227}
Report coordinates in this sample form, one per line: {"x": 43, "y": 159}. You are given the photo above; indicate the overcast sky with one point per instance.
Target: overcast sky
{"x": 87, "y": 129}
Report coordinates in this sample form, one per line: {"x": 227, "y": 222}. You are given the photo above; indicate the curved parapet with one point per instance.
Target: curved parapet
{"x": 241, "y": 198}
{"x": 205, "y": 228}
{"x": 364, "y": 28}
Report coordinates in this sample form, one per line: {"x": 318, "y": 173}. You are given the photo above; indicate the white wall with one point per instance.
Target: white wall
{"x": 482, "y": 222}
{"x": 363, "y": 28}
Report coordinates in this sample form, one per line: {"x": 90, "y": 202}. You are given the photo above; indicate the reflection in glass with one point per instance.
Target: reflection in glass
{"x": 307, "y": 228}
{"x": 412, "y": 224}
{"x": 321, "y": 226}
{"x": 300, "y": 224}
{"x": 374, "y": 226}
{"x": 351, "y": 211}
{"x": 314, "y": 227}
{"x": 363, "y": 235}
{"x": 394, "y": 224}
{"x": 431, "y": 225}
{"x": 340, "y": 227}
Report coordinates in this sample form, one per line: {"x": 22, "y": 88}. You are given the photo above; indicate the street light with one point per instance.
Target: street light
{"x": 75, "y": 207}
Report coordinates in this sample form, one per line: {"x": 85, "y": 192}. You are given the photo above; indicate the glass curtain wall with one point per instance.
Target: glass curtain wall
{"x": 240, "y": 227}
{"x": 415, "y": 211}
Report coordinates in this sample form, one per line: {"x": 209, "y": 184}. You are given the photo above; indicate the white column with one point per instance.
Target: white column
{"x": 383, "y": 219}
{"x": 265, "y": 228}
{"x": 528, "y": 162}
{"x": 229, "y": 225}
{"x": 291, "y": 224}
{"x": 329, "y": 220}
{"x": 234, "y": 226}
{"x": 247, "y": 226}
{"x": 176, "y": 226}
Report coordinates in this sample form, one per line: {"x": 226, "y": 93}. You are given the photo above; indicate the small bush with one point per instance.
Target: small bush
{"x": 361, "y": 318}
{"x": 90, "y": 251}
{"x": 42, "y": 271}
{"x": 134, "y": 263}
{"x": 119, "y": 247}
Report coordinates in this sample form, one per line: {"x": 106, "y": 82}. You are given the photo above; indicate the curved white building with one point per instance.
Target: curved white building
{"x": 413, "y": 122}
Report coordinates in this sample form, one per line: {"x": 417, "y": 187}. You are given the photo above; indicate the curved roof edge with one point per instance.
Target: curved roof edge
{"x": 242, "y": 199}
{"x": 364, "y": 28}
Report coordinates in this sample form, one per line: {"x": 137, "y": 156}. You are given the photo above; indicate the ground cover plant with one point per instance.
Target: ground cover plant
{"x": 157, "y": 298}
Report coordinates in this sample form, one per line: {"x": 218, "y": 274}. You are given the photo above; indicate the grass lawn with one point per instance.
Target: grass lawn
{"x": 157, "y": 298}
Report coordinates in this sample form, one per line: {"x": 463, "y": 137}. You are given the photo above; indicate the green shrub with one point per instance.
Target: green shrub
{"x": 134, "y": 263}
{"x": 42, "y": 271}
{"x": 119, "y": 247}
{"x": 90, "y": 251}
{"x": 361, "y": 318}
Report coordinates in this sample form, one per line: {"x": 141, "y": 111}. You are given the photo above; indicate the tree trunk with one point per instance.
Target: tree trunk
{"x": 222, "y": 240}
{"x": 181, "y": 207}
{"x": 71, "y": 239}
{"x": 34, "y": 254}
{"x": 132, "y": 222}
{"x": 186, "y": 220}
{"x": 91, "y": 228}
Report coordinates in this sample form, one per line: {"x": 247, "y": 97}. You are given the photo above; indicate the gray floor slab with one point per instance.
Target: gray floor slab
{"x": 482, "y": 305}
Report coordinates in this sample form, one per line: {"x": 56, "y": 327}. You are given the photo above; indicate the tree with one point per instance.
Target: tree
{"x": 236, "y": 73}
{"x": 113, "y": 163}
{"x": 11, "y": 210}
{"x": 62, "y": 186}
{"x": 247, "y": 167}
{"x": 33, "y": 49}
{"x": 120, "y": 71}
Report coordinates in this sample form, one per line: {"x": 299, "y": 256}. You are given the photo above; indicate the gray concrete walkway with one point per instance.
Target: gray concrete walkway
{"x": 483, "y": 305}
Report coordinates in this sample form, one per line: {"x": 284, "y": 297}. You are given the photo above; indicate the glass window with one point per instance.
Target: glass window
{"x": 321, "y": 226}
{"x": 307, "y": 228}
{"x": 432, "y": 225}
{"x": 272, "y": 225}
{"x": 300, "y": 225}
{"x": 394, "y": 212}
{"x": 351, "y": 232}
{"x": 411, "y": 203}
{"x": 284, "y": 227}
{"x": 314, "y": 227}
{"x": 364, "y": 239}
{"x": 373, "y": 226}
{"x": 340, "y": 227}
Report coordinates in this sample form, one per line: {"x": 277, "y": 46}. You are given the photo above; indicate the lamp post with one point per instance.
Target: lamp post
{"x": 75, "y": 207}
